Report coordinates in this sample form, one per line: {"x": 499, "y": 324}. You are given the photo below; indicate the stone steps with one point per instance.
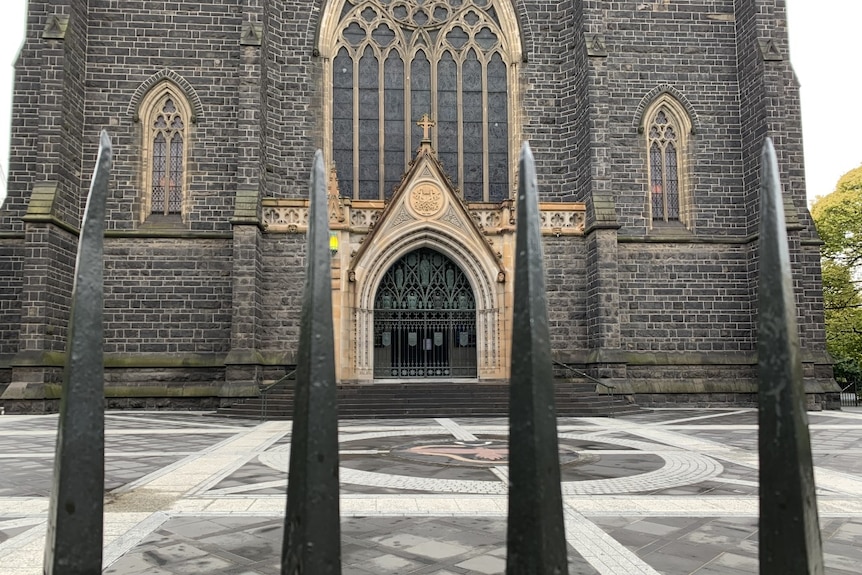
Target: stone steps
{"x": 431, "y": 399}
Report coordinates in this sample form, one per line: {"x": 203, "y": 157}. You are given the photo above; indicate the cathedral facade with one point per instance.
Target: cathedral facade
{"x": 646, "y": 120}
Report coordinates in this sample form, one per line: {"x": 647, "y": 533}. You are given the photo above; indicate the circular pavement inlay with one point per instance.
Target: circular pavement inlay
{"x": 679, "y": 467}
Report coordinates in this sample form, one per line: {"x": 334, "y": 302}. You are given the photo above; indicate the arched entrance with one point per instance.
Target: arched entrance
{"x": 424, "y": 319}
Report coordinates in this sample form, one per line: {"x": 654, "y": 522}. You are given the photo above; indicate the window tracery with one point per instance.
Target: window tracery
{"x": 392, "y": 62}
{"x": 167, "y": 169}
{"x": 667, "y": 148}
{"x": 165, "y": 124}
{"x": 664, "y": 176}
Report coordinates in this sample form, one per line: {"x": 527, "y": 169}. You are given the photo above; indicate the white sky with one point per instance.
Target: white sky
{"x": 826, "y": 52}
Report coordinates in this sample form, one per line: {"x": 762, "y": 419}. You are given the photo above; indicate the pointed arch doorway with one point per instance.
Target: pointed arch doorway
{"x": 424, "y": 319}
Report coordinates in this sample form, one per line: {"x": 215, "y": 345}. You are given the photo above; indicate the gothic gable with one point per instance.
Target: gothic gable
{"x": 426, "y": 201}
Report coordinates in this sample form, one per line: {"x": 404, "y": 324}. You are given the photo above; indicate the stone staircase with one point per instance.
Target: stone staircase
{"x": 430, "y": 399}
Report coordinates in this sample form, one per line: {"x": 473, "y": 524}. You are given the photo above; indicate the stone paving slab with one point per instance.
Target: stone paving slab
{"x": 683, "y": 545}
{"x": 381, "y": 545}
{"x": 658, "y": 492}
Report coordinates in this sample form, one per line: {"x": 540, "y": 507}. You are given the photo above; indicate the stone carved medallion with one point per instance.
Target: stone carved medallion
{"x": 426, "y": 199}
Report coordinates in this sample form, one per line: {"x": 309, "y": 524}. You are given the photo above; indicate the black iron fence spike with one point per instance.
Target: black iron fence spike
{"x": 75, "y": 524}
{"x": 536, "y": 542}
{"x": 312, "y": 540}
{"x": 789, "y": 529}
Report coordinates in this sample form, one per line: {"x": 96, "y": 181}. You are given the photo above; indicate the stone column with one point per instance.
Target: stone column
{"x": 244, "y": 364}
{"x": 603, "y": 300}
{"x": 57, "y": 32}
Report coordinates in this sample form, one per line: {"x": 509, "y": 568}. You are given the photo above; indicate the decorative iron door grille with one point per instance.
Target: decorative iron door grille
{"x": 424, "y": 319}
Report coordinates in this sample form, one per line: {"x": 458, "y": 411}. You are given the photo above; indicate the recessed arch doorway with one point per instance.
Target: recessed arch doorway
{"x": 424, "y": 319}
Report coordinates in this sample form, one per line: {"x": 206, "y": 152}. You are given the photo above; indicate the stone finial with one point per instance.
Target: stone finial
{"x": 333, "y": 195}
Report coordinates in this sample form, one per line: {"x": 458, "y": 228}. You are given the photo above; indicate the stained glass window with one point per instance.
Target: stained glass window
{"x": 168, "y": 152}
{"x": 663, "y": 166}
{"x": 159, "y": 164}
{"x": 395, "y": 61}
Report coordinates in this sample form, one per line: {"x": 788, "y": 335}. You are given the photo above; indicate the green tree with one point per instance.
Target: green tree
{"x": 838, "y": 217}
{"x": 839, "y": 220}
{"x": 842, "y": 304}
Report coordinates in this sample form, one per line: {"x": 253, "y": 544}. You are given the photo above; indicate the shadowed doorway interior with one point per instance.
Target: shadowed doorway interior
{"x": 424, "y": 320}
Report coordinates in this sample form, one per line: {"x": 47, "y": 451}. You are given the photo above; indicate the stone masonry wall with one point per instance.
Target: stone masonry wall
{"x": 48, "y": 273}
{"x": 282, "y": 284}
{"x": 166, "y": 296}
{"x": 688, "y": 48}
{"x": 11, "y": 267}
{"x": 200, "y": 42}
{"x": 24, "y": 158}
{"x": 566, "y": 284}
{"x": 291, "y": 94}
{"x": 684, "y": 298}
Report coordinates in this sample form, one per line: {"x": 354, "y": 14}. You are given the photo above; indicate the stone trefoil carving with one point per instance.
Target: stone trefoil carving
{"x": 402, "y": 218}
{"x": 493, "y": 219}
{"x": 451, "y": 217}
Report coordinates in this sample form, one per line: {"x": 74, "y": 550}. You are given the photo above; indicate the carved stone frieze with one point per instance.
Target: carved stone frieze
{"x": 291, "y": 216}
{"x": 563, "y": 219}
{"x": 596, "y": 45}
{"x": 488, "y": 219}
{"x": 285, "y": 218}
{"x": 252, "y": 34}
{"x": 55, "y": 28}
{"x": 769, "y": 50}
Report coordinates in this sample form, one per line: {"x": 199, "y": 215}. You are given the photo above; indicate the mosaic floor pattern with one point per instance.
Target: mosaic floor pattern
{"x": 660, "y": 492}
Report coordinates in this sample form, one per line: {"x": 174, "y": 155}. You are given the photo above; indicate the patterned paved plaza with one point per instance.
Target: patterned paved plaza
{"x": 660, "y": 492}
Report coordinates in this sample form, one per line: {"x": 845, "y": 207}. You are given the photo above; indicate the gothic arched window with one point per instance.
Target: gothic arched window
{"x": 667, "y": 128}
{"x": 392, "y": 62}
{"x": 165, "y": 119}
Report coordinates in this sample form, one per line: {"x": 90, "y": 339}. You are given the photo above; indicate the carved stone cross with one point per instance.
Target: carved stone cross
{"x": 426, "y": 123}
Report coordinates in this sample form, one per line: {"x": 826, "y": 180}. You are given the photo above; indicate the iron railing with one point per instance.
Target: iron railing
{"x": 789, "y": 528}
{"x": 75, "y": 514}
{"x": 424, "y": 343}
{"x": 264, "y": 390}
{"x": 609, "y": 389}
{"x": 850, "y": 396}
{"x": 789, "y": 532}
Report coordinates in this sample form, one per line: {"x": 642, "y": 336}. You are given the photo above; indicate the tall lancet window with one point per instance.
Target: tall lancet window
{"x": 392, "y": 62}
{"x": 664, "y": 173}
{"x": 667, "y": 144}
{"x": 167, "y": 172}
{"x": 165, "y": 121}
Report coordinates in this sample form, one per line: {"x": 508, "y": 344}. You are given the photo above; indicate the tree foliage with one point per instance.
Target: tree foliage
{"x": 839, "y": 220}
{"x": 843, "y": 311}
{"x": 838, "y": 217}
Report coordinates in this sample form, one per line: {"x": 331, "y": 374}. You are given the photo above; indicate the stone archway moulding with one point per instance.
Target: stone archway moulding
{"x": 473, "y": 261}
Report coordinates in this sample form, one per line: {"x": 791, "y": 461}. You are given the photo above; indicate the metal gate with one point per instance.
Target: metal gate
{"x": 424, "y": 319}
